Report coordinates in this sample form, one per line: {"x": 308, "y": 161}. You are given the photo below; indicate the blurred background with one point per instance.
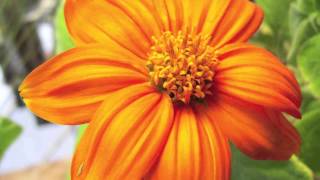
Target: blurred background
{"x": 29, "y": 147}
{"x": 32, "y": 31}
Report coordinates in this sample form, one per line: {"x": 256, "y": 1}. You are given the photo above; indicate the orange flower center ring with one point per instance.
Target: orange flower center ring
{"x": 182, "y": 65}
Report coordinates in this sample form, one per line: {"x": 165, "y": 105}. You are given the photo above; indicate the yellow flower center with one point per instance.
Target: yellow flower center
{"x": 182, "y": 65}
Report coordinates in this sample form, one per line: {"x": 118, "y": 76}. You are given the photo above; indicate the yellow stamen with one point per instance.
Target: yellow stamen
{"x": 182, "y": 65}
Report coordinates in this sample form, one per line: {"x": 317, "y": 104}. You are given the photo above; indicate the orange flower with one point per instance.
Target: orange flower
{"x": 164, "y": 85}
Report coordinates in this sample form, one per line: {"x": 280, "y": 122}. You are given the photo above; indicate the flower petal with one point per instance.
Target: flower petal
{"x": 70, "y": 87}
{"x": 215, "y": 150}
{"x": 214, "y": 17}
{"x": 195, "y": 150}
{"x": 99, "y": 21}
{"x": 123, "y": 140}
{"x": 258, "y": 132}
{"x": 254, "y": 75}
{"x": 231, "y": 21}
{"x": 153, "y": 17}
{"x": 203, "y": 15}
{"x": 142, "y": 14}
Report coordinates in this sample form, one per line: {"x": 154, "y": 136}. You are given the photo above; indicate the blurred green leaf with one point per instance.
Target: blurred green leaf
{"x": 277, "y": 36}
{"x": 264, "y": 37}
{"x": 307, "y": 100}
{"x": 274, "y": 9}
{"x": 314, "y": 105}
{"x": 306, "y": 29}
{"x": 309, "y": 128}
{"x": 63, "y": 40}
{"x": 308, "y": 5}
{"x": 8, "y": 133}
{"x": 309, "y": 64}
{"x": 296, "y": 16}
{"x": 244, "y": 168}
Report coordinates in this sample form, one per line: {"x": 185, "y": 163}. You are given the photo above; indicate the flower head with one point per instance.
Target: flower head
{"x": 165, "y": 85}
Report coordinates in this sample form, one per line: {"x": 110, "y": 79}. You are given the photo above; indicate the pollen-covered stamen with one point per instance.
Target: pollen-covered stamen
{"x": 182, "y": 65}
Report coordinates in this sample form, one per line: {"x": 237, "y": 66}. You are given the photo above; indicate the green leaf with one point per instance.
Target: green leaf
{"x": 306, "y": 29}
{"x": 309, "y": 128}
{"x": 296, "y": 16}
{"x": 308, "y": 5}
{"x": 244, "y": 168}
{"x": 264, "y": 37}
{"x": 313, "y": 105}
{"x": 8, "y": 133}
{"x": 307, "y": 99}
{"x": 275, "y": 39}
{"x": 309, "y": 64}
{"x": 63, "y": 40}
{"x": 309, "y": 102}
{"x": 274, "y": 9}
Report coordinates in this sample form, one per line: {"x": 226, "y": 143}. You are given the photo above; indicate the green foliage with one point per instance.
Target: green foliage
{"x": 274, "y": 33}
{"x": 307, "y": 28}
{"x": 295, "y": 17}
{"x": 309, "y": 64}
{"x": 273, "y": 9}
{"x": 309, "y": 101}
{"x": 8, "y": 133}
{"x": 309, "y": 128}
{"x": 244, "y": 168}
{"x": 308, "y": 5}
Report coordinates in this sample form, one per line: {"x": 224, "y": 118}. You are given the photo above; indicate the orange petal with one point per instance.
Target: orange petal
{"x": 215, "y": 151}
{"x": 250, "y": 28}
{"x": 258, "y": 132}
{"x": 186, "y": 15}
{"x": 195, "y": 150}
{"x": 165, "y": 13}
{"x": 100, "y": 21}
{"x": 204, "y": 15}
{"x": 214, "y": 17}
{"x": 123, "y": 140}
{"x": 133, "y": 23}
{"x": 70, "y": 87}
{"x": 231, "y": 21}
{"x": 254, "y": 75}
{"x": 142, "y": 14}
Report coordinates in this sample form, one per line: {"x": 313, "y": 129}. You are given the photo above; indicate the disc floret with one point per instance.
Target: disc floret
{"x": 182, "y": 65}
